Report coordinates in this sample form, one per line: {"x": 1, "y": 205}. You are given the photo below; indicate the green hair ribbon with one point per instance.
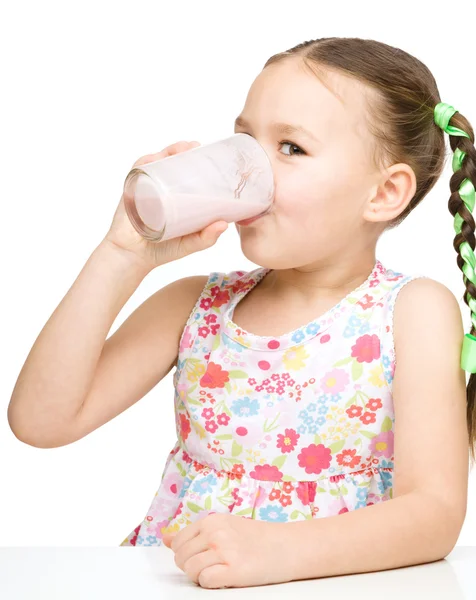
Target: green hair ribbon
{"x": 442, "y": 115}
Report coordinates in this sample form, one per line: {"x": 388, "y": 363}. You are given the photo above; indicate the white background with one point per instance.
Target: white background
{"x": 87, "y": 89}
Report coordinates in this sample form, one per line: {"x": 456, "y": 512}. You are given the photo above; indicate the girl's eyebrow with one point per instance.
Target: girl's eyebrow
{"x": 283, "y": 128}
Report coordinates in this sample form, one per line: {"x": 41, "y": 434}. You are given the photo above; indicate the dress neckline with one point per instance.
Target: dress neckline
{"x": 302, "y": 334}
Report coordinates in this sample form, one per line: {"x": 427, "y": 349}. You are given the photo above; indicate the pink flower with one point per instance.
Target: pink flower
{"x": 335, "y": 381}
{"x": 382, "y": 444}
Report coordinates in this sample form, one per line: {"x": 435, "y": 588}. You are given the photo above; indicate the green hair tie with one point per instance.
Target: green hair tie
{"x": 442, "y": 115}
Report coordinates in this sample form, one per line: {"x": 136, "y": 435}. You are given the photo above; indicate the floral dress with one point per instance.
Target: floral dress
{"x": 298, "y": 426}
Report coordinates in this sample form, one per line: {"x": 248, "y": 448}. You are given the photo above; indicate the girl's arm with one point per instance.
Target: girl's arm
{"x": 423, "y": 520}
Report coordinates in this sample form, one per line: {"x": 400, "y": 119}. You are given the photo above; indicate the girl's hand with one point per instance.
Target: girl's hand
{"x": 223, "y": 550}
{"x": 123, "y": 236}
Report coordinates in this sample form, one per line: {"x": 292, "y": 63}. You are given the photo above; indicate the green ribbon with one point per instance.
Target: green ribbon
{"x": 442, "y": 115}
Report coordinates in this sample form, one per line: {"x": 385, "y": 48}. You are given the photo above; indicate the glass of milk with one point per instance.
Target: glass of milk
{"x": 231, "y": 180}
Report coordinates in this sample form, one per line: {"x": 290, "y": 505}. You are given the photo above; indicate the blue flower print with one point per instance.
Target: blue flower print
{"x": 151, "y": 539}
{"x": 312, "y": 328}
{"x": 385, "y": 361}
{"x": 313, "y": 428}
{"x": 244, "y": 407}
{"x": 231, "y": 344}
{"x": 205, "y": 484}
{"x": 362, "y": 493}
{"x": 197, "y": 316}
{"x": 335, "y": 397}
{"x": 322, "y": 398}
{"x": 323, "y": 410}
{"x": 186, "y": 484}
{"x": 303, "y": 414}
{"x": 298, "y": 336}
{"x": 309, "y": 420}
{"x": 320, "y": 421}
{"x": 311, "y": 407}
{"x": 364, "y": 328}
{"x": 273, "y": 513}
{"x": 387, "y": 464}
{"x": 140, "y": 540}
{"x": 302, "y": 429}
{"x": 214, "y": 277}
{"x": 385, "y": 482}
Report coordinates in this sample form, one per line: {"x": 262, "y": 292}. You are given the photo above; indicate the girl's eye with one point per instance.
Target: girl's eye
{"x": 300, "y": 151}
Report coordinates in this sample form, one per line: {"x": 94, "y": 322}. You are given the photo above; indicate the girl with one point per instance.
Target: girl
{"x": 290, "y": 412}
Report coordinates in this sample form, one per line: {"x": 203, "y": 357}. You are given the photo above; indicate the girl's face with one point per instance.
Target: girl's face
{"x": 323, "y": 179}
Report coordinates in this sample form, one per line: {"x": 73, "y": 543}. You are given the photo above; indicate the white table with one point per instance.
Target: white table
{"x": 150, "y": 572}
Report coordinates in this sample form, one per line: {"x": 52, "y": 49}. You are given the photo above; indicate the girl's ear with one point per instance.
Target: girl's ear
{"x": 393, "y": 194}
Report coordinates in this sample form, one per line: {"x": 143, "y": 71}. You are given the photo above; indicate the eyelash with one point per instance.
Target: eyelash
{"x": 291, "y": 144}
{"x": 295, "y": 146}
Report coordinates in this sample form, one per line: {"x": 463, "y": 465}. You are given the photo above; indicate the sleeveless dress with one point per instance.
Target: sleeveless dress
{"x": 299, "y": 426}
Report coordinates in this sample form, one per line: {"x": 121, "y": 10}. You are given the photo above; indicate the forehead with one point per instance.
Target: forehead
{"x": 324, "y": 101}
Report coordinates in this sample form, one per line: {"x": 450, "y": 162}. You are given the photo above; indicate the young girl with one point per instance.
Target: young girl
{"x": 290, "y": 411}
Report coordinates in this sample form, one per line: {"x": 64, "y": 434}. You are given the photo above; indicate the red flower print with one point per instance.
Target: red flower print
{"x": 266, "y": 473}
{"x": 265, "y": 382}
{"x": 366, "y": 302}
{"x": 238, "y": 470}
{"x": 203, "y": 331}
{"x": 214, "y": 377}
{"x": 215, "y": 328}
{"x": 368, "y": 417}
{"x": 221, "y": 298}
{"x": 280, "y": 390}
{"x": 207, "y": 413}
{"x": 211, "y": 426}
{"x": 206, "y": 303}
{"x": 223, "y": 419}
{"x": 275, "y": 494}
{"x": 285, "y": 500}
{"x": 259, "y": 388}
{"x": 343, "y": 510}
{"x": 374, "y": 403}
{"x": 348, "y": 459}
{"x": 354, "y": 411}
{"x": 314, "y": 458}
{"x": 285, "y": 376}
{"x": 274, "y": 377}
{"x": 288, "y": 487}
{"x": 215, "y": 289}
{"x": 306, "y": 491}
{"x": 366, "y": 348}
{"x": 185, "y": 428}
{"x": 211, "y": 318}
{"x": 251, "y": 381}
{"x": 270, "y": 389}
{"x": 288, "y": 441}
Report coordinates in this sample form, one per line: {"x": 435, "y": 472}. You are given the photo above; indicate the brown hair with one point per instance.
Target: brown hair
{"x": 401, "y": 101}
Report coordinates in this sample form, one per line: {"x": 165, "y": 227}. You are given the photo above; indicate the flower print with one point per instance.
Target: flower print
{"x": 184, "y": 426}
{"x": 385, "y": 481}
{"x": 287, "y": 441}
{"x": 221, "y": 298}
{"x": 251, "y": 381}
{"x": 382, "y": 444}
{"x": 313, "y": 428}
{"x": 311, "y": 407}
{"x": 259, "y": 388}
{"x": 186, "y": 341}
{"x": 211, "y": 426}
{"x": 266, "y": 473}
{"x": 374, "y": 404}
{"x": 273, "y": 513}
{"x": 347, "y": 458}
{"x": 231, "y": 344}
{"x": 203, "y": 331}
{"x": 309, "y": 420}
{"x": 303, "y": 414}
{"x": 335, "y": 381}
{"x": 204, "y": 485}
{"x": 302, "y": 429}
{"x": 298, "y": 336}
{"x": 320, "y": 421}
{"x": 323, "y": 410}
{"x": 366, "y": 348}
{"x": 280, "y": 390}
{"x": 275, "y": 494}
{"x": 265, "y": 382}
{"x": 376, "y": 376}
{"x": 368, "y": 417}
{"x": 223, "y": 419}
{"x": 306, "y": 491}
{"x": 195, "y": 369}
{"x": 206, "y": 303}
{"x": 285, "y": 376}
{"x": 275, "y": 376}
{"x": 285, "y": 500}
{"x": 294, "y": 358}
{"x": 270, "y": 389}
{"x": 214, "y": 376}
{"x": 312, "y": 328}
{"x": 172, "y": 484}
{"x": 208, "y": 413}
{"x": 354, "y": 411}
{"x": 314, "y": 458}
{"x": 211, "y": 318}
{"x": 244, "y": 407}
